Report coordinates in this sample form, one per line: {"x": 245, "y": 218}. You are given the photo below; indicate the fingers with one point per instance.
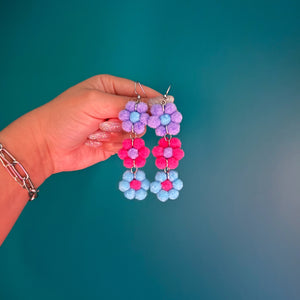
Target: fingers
{"x": 111, "y": 125}
{"x": 106, "y": 106}
{"x": 110, "y": 136}
{"x": 102, "y": 136}
{"x": 111, "y": 94}
{"x": 104, "y": 146}
{"x": 119, "y": 86}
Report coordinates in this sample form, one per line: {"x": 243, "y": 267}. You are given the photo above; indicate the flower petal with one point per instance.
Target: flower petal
{"x": 140, "y": 175}
{"x": 155, "y": 187}
{"x": 163, "y": 195}
{"x": 124, "y": 115}
{"x": 139, "y": 127}
{"x": 140, "y": 162}
{"x": 164, "y": 143}
{"x": 158, "y": 151}
{"x": 173, "y": 175}
{"x": 138, "y": 143}
{"x": 146, "y": 184}
{"x": 142, "y": 107}
{"x": 127, "y": 144}
{"x": 175, "y": 142}
{"x": 161, "y": 162}
{"x": 156, "y": 110}
{"x": 127, "y": 175}
{"x": 170, "y": 108}
{"x": 144, "y": 152}
{"x": 130, "y": 105}
{"x": 127, "y": 126}
{"x": 128, "y": 162}
{"x": 178, "y": 184}
{"x": 176, "y": 117}
{"x": 122, "y": 153}
{"x": 140, "y": 194}
{"x": 153, "y": 121}
{"x": 172, "y": 163}
{"x": 173, "y": 194}
{"x": 144, "y": 118}
{"x": 178, "y": 153}
{"x": 124, "y": 186}
{"x": 161, "y": 130}
{"x": 130, "y": 194}
{"x": 160, "y": 176}
{"x": 173, "y": 128}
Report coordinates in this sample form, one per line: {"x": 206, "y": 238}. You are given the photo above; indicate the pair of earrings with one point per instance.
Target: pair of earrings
{"x": 165, "y": 119}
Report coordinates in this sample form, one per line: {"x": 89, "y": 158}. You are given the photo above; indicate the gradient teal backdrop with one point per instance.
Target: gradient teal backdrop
{"x": 234, "y": 233}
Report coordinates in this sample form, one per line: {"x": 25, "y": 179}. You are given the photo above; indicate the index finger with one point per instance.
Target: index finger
{"x": 119, "y": 86}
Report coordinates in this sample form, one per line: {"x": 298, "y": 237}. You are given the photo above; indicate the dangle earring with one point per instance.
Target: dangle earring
{"x": 134, "y": 117}
{"x": 166, "y": 119}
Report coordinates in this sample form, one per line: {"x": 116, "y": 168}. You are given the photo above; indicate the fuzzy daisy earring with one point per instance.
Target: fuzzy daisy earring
{"x": 166, "y": 119}
{"x": 134, "y": 153}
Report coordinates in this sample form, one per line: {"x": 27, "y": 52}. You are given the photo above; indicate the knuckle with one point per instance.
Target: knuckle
{"x": 91, "y": 94}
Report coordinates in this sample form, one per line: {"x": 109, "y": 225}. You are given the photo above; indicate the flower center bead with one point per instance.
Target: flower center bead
{"x": 165, "y": 119}
{"x": 167, "y": 185}
{"x": 135, "y": 184}
{"x": 133, "y": 153}
{"x": 134, "y": 117}
{"x": 168, "y": 152}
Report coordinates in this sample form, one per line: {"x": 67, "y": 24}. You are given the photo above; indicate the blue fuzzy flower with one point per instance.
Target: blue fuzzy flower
{"x": 134, "y": 187}
{"x": 166, "y": 188}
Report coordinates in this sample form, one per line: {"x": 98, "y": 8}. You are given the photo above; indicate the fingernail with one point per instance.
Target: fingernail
{"x": 94, "y": 144}
{"x": 111, "y": 126}
{"x": 100, "y": 135}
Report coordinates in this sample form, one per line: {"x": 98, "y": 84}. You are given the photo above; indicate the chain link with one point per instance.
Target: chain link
{"x": 167, "y": 136}
{"x": 20, "y": 176}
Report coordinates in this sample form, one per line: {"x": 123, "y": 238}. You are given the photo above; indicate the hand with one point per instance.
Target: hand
{"x": 69, "y": 119}
{"x": 64, "y": 135}
{"x": 60, "y": 128}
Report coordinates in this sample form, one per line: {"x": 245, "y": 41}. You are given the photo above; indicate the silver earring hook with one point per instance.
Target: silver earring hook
{"x": 167, "y": 92}
{"x": 138, "y": 95}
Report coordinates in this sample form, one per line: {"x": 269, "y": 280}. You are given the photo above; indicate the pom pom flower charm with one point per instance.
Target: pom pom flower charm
{"x": 134, "y": 117}
{"x": 168, "y": 153}
{"x": 165, "y": 119}
{"x": 134, "y": 153}
{"x": 166, "y": 185}
{"x": 134, "y": 185}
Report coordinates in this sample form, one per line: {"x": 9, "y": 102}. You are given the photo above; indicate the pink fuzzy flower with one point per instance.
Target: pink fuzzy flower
{"x": 168, "y": 153}
{"x": 135, "y": 154}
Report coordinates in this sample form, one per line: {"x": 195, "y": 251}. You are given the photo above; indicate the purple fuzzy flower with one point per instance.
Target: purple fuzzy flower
{"x": 134, "y": 117}
{"x": 165, "y": 121}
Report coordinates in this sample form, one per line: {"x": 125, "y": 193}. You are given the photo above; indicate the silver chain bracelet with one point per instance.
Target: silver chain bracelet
{"x": 11, "y": 165}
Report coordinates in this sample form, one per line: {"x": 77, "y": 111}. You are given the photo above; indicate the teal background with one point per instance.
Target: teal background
{"x": 235, "y": 231}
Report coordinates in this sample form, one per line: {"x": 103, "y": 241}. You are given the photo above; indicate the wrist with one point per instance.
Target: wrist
{"x": 24, "y": 141}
